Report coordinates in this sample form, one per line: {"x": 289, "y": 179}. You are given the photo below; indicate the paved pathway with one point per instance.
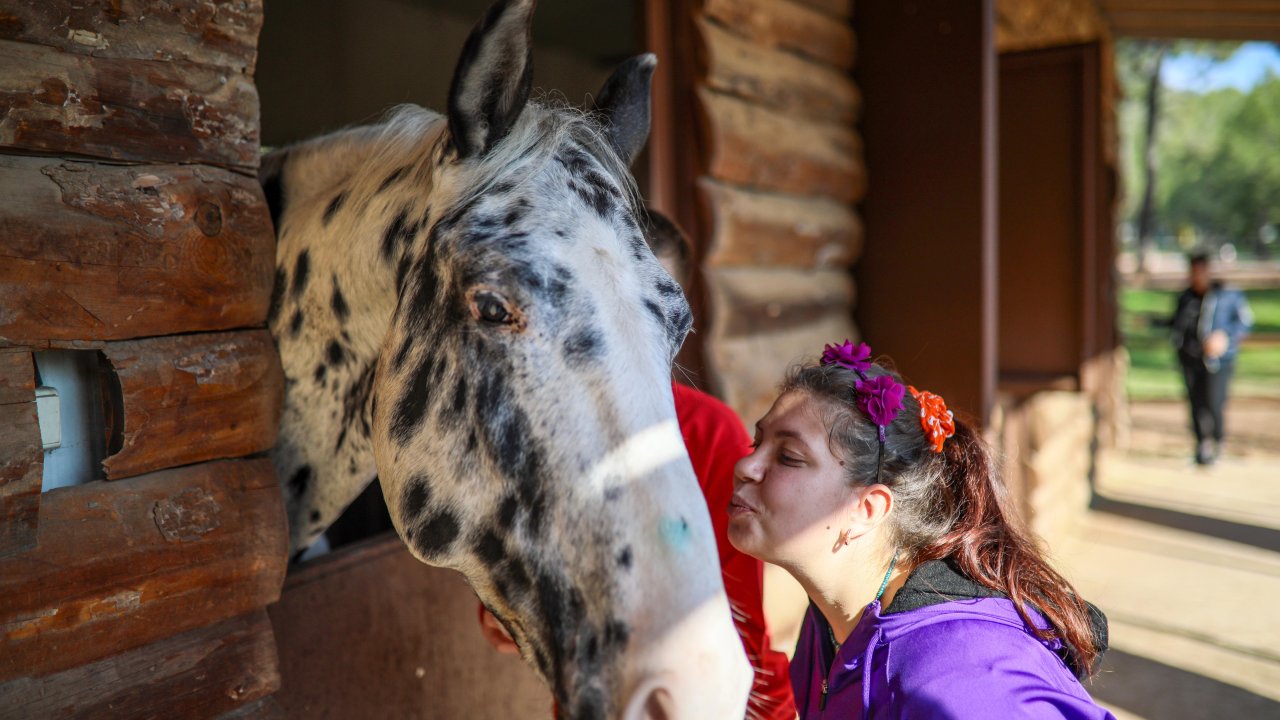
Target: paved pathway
{"x": 1185, "y": 561}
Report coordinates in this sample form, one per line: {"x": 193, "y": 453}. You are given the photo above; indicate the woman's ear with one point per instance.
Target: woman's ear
{"x": 870, "y": 506}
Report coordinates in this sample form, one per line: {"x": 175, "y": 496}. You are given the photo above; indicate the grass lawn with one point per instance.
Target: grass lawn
{"x": 1153, "y": 371}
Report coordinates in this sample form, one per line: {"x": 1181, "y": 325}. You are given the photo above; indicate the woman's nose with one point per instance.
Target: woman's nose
{"x": 747, "y": 470}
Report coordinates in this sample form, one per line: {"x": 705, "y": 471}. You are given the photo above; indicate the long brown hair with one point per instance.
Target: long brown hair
{"x": 951, "y": 505}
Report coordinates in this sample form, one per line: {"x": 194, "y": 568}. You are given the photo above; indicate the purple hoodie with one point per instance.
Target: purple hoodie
{"x": 953, "y": 658}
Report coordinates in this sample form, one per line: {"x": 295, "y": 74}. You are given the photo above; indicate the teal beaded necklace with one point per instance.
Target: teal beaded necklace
{"x": 883, "y": 584}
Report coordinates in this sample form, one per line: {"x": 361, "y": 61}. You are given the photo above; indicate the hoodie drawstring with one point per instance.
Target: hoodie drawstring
{"x": 866, "y": 674}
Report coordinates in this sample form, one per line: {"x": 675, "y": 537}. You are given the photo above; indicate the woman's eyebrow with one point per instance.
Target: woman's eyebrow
{"x": 784, "y": 433}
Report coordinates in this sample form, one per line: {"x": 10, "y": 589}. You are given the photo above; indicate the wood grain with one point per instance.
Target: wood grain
{"x": 223, "y": 33}
{"x": 192, "y": 398}
{"x": 104, "y": 252}
{"x": 125, "y": 109}
{"x": 203, "y": 673}
{"x": 761, "y": 148}
{"x": 21, "y": 456}
{"x": 763, "y": 229}
{"x": 122, "y": 565}
{"x": 790, "y": 26}
{"x": 775, "y": 78}
{"x": 759, "y": 301}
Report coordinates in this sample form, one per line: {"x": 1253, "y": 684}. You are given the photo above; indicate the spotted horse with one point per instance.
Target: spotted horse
{"x": 466, "y": 307}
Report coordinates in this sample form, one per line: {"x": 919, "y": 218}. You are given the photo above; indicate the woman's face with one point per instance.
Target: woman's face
{"x": 790, "y": 499}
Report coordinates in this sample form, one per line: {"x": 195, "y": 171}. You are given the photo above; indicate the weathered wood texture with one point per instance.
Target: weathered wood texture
{"x": 125, "y": 109}
{"x": 790, "y": 26}
{"x": 1208, "y": 19}
{"x": 758, "y": 147}
{"x": 842, "y": 9}
{"x": 192, "y": 398}
{"x": 106, "y": 252}
{"x": 21, "y": 457}
{"x": 222, "y": 33}
{"x": 782, "y": 166}
{"x": 753, "y": 228}
{"x": 203, "y": 673}
{"x": 764, "y": 321}
{"x": 775, "y": 78}
{"x": 398, "y": 636}
{"x": 1031, "y": 24}
{"x": 119, "y": 566}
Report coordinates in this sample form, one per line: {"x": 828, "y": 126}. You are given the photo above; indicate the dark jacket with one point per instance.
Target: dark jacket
{"x": 1222, "y": 308}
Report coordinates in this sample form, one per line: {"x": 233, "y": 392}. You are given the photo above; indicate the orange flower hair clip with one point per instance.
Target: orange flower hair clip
{"x": 936, "y": 420}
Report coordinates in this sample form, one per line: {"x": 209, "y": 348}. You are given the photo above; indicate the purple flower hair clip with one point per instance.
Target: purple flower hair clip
{"x": 847, "y": 355}
{"x": 880, "y": 398}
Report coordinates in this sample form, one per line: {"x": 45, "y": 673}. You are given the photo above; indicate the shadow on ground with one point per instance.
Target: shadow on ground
{"x": 1259, "y": 537}
{"x": 1152, "y": 689}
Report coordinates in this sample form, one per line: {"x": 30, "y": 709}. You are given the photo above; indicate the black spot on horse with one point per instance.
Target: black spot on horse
{"x": 460, "y": 397}
{"x": 301, "y": 269}
{"x": 393, "y": 178}
{"x": 333, "y": 207}
{"x": 299, "y": 481}
{"x": 315, "y": 516}
{"x": 582, "y": 346}
{"x": 616, "y": 634}
{"x": 669, "y": 289}
{"x": 517, "y": 576}
{"x": 656, "y": 311}
{"x": 416, "y": 495}
{"x": 437, "y": 534}
{"x": 277, "y": 295}
{"x": 490, "y": 549}
{"x": 321, "y": 369}
{"x": 403, "y": 353}
{"x": 393, "y": 232}
{"x": 334, "y": 353}
{"x": 402, "y": 270}
{"x": 590, "y": 704}
{"x": 295, "y": 323}
{"x": 507, "y": 512}
{"x": 338, "y": 302}
{"x": 413, "y": 403}
{"x": 624, "y": 558}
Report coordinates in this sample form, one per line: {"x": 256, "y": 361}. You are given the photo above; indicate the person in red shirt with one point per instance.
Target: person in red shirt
{"x": 716, "y": 440}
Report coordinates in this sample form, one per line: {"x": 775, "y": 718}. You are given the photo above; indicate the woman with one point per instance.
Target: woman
{"x": 927, "y": 600}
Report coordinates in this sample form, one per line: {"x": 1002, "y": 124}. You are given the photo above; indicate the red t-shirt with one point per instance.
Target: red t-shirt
{"x": 716, "y": 441}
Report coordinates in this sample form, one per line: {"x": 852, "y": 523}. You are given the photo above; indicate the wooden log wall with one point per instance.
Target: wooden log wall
{"x": 782, "y": 171}
{"x": 132, "y": 227}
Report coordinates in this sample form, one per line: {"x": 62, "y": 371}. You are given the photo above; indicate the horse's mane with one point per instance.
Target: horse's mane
{"x": 413, "y": 136}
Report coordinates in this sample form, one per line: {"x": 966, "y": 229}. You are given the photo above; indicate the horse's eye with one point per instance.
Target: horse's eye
{"x": 491, "y": 308}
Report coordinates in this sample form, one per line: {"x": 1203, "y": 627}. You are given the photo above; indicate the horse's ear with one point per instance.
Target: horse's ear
{"x": 624, "y": 104}
{"x": 494, "y": 76}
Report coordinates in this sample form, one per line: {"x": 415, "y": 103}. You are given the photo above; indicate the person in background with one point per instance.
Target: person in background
{"x": 928, "y": 599}
{"x": 1207, "y": 326}
{"x": 716, "y": 440}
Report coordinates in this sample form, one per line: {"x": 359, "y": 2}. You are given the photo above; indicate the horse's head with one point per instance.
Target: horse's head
{"x": 524, "y": 425}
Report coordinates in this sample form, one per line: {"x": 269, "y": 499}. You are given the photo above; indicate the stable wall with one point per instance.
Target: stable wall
{"x": 134, "y": 233}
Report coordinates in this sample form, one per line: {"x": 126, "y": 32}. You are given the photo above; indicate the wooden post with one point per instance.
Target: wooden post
{"x": 927, "y": 276}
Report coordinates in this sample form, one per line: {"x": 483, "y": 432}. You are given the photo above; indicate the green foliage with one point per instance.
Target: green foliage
{"x": 1153, "y": 366}
{"x": 1217, "y": 153}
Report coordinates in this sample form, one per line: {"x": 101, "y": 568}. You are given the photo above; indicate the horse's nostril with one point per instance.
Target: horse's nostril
{"x": 659, "y": 705}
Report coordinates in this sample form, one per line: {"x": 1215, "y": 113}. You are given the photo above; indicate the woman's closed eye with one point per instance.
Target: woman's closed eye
{"x": 787, "y": 458}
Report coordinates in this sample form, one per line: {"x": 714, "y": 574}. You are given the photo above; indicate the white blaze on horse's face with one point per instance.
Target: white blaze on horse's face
{"x": 523, "y": 421}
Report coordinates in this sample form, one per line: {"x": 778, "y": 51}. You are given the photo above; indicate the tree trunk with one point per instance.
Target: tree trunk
{"x": 1146, "y": 215}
